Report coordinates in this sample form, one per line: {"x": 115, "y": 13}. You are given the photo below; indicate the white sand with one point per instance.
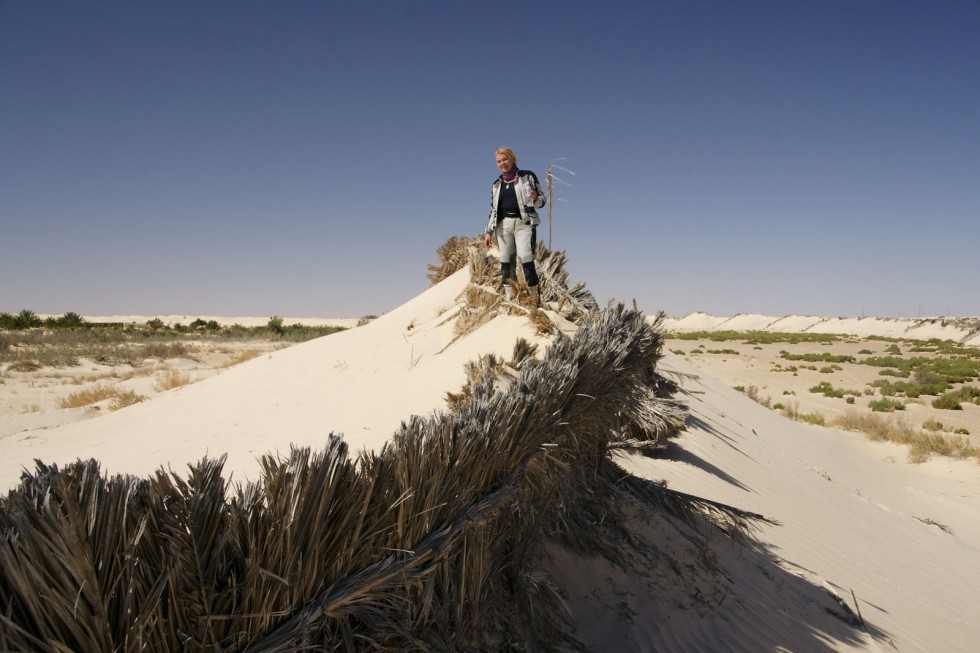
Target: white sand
{"x": 853, "y": 516}
{"x": 964, "y": 330}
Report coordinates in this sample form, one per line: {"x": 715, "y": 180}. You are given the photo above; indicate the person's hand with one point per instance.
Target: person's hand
{"x": 486, "y": 240}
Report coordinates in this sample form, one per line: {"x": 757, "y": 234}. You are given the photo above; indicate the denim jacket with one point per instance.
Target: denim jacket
{"x": 525, "y": 179}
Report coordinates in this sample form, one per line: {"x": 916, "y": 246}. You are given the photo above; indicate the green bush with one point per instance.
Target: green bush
{"x": 948, "y": 401}
{"x": 886, "y": 405}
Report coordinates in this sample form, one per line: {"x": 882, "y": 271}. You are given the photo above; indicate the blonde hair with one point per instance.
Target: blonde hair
{"x": 506, "y": 151}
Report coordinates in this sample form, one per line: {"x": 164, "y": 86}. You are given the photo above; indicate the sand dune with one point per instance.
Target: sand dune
{"x": 965, "y": 330}
{"x": 903, "y": 540}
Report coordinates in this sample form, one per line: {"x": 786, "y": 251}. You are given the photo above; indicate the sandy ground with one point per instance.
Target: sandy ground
{"x": 32, "y": 400}
{"x": 762, "y": 369}
{"x": 858, "y": 529}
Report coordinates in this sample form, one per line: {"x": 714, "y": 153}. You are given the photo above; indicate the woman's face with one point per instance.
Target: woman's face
{"x": 504, "y": 163}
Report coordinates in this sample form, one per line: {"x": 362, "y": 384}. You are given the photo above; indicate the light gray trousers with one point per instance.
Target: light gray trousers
{"x": 516, "y": 238}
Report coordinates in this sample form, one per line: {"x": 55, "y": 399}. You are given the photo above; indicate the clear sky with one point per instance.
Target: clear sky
{"x": 301, "y": 158}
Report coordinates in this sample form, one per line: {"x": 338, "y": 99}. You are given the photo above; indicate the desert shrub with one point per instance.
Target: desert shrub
{"x": 910, "y": 390}
{"x": 948, "y": 401}
{"x": 921, "y": 445}
{"x": 88, "y": 396}
{"x": 241, "y": 357}
{"x": 896, "y": 362}
{"x": 160, "y": 350}
{"x": 752, "y": 393}
{"x": 453, "y": 255}
{"x": 828, "y": 390}
{"x": 819, "y": 358}
{"x": 932, "y": 425}
{"x": 885, "y": 405}
{"x": 125, "y": 398}
{"x": 757, "y": 337}
{"x": 730, "y": 352}
{"x": 24, "y": 365}
{"x": 890, "y": 372}
{"x": 171, "y": 379}
{"x": 792, "y": 411}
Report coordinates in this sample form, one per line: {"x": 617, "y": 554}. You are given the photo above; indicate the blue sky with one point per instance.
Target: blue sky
{"x": 307, "y": 158}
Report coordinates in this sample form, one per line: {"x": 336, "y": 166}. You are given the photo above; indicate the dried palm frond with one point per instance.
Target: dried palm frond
{"x": 523, "y": 351}
{"x": 453, "y": 255}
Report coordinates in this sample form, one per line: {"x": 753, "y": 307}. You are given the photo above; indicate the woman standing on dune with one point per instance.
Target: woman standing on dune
{"x": 513, "y": 199}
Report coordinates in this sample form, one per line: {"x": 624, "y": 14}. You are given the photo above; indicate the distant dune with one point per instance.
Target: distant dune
{"x": 965, "y": 330}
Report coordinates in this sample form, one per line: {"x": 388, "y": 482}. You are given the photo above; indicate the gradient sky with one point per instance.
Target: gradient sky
{"x": 305, "y": 158}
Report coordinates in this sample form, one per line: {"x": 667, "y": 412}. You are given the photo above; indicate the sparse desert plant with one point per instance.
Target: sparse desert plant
{"x": 171, "y": 379}
{"x": 453, "y": 255}
{"x": 828, "y": 390}
{"x": 818, "y": 358}
{"x": 24, "y": 365}
{"x": 932, "y": 425}
{"x": 752, "y": 392}
{"x": 885, "y": 405}
{"x": 125, "y": 398}
{"x": 88, "y": 396}
{"x": 792, "y": 411}
{"x": 921, "y": 445}
{"x": 948, "y": 401}
{"x": 241, "y": 357}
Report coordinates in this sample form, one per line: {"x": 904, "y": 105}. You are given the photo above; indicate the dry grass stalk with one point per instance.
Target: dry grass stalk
{"x": 453, "y": 255}
{"x": 171, "y": 379}
{"x": 241, "y": 357}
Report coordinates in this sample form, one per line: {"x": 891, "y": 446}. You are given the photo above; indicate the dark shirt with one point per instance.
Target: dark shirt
{"x": 507, "y": 201}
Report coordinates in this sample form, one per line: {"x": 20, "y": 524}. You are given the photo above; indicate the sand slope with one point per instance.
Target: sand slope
{"x": 363, "y": 383}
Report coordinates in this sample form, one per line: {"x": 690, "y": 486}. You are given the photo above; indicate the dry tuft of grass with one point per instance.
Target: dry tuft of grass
{"x": 125, "y": 398}
{"x": 95, "y": 394}
{"x": 88, "y": 396}
{"x": 792, "y": 411}
{"x": 241, "y": 357}
{"x": 921, "y": 444}
{"x": 453, "y": 255}
{"x": 171, "y": 379}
